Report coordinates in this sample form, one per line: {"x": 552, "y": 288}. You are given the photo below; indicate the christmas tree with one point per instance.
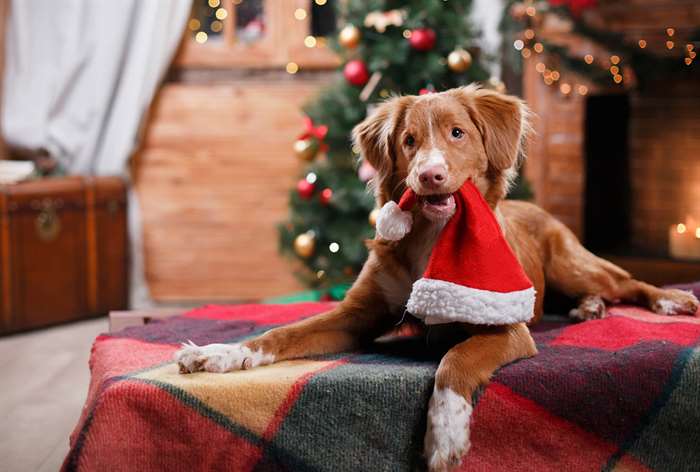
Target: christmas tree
{"x": 388, "y": 47}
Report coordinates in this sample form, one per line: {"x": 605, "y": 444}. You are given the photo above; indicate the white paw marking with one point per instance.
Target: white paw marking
{"x": 219, "y": 358}
{"x": 668, "y": 307}
{"x": 678, "y": 302}
{"x": 590, "y": 308}
{"x": 447, "y": 434}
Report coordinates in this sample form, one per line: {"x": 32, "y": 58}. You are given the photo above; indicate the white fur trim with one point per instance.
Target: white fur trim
{"x": 438, "y": 301}
{"x": 447, "y": 434}
{"x": 220, "y": 357}
{"x": 393, "y": 223}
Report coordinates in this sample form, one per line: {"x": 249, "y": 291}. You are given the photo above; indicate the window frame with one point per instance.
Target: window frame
{"x": 282, "y": 43}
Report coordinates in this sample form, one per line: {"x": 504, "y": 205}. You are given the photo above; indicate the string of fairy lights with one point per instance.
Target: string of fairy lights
{"x": 216, "y": 26}
{"x": 530, "y": 47}
{"x": 310, "y": 41}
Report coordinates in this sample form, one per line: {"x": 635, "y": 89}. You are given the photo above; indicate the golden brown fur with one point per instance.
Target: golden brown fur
{"x": 405, "y": 136}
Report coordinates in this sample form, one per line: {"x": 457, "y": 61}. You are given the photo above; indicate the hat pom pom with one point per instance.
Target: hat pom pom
{"x": 392, "y": 222}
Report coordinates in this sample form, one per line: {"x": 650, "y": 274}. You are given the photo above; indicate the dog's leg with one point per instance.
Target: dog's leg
{"x": 360, "y": 318}
{"x": 462, "y": 370}
{"x": 577, "y": 272}
{"x": 334, "y": 331}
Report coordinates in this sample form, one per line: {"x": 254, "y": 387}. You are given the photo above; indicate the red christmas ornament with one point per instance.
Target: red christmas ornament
{"x": 577, "y": 7}
{"x": 425, "y": 91}
{"x": 422, "y": 39}
{"x": 305, "y": 189}
{"x": 325, "y": 197}
{"x": 356, "y": 72}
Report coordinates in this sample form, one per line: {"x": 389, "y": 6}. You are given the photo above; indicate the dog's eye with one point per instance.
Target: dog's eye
{"x": 410, "y": 140}
{"x": 457, "y": 133}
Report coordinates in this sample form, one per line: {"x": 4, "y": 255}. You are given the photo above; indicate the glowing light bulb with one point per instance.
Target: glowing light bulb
{"x": 681, "y": 228}
{"x": 221, "y": 14}
{"x": 310, "y": 41}
{"x": 201, "y": 37}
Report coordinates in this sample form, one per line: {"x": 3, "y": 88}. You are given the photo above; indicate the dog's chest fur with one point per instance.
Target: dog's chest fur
{"x": 414, "y": 252}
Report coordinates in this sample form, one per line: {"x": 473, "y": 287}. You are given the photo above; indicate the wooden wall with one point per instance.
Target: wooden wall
{"x": 555, "y": 166}
{"x": 213, "y": 177}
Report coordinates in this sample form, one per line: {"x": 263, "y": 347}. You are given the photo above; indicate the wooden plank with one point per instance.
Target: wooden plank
{"x": 213, "y": 178}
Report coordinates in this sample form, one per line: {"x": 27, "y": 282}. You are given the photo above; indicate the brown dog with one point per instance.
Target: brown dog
{"x": 433, "y": 143}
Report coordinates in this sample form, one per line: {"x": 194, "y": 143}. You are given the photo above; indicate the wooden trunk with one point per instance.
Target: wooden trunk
{"x": 63, "y": 251}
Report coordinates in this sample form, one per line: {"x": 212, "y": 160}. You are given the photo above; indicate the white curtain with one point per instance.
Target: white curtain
{"x": 486, "y": 15}
{"x": 79, "y": 78}
{"x": 79, "y": 75}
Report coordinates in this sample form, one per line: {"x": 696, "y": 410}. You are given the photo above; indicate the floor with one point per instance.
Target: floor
{"x": 44, "y": 382}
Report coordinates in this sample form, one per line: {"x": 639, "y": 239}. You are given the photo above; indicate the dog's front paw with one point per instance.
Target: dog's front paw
{"x": 219, "y": 358}
{"x": 447, "y": 434}
{"x": 676, "y": 302}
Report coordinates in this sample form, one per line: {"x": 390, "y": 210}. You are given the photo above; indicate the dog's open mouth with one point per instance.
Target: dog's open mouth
{"x": 437, "y": 206}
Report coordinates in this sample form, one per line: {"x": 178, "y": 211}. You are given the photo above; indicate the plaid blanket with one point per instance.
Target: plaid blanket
{"x": 622, "y": 393}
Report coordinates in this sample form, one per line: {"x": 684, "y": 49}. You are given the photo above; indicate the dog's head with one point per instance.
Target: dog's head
{"x": 433, "y": 143}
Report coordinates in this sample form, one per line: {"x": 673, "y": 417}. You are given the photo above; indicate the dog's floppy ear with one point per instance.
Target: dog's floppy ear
{"x": 375, "y": 138}
{"x": 502, "y": 121}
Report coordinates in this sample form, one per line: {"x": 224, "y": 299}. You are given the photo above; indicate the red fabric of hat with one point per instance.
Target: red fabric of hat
{"x": 472, "y": 275}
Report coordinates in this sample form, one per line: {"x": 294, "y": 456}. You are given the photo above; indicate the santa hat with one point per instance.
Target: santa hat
{"x": 472, "y": 275}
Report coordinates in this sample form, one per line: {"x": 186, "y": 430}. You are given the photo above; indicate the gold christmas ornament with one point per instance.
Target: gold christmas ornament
{"x": 349, "y": 37}
{"x": 306, "y": 149}
{"x": 459, "y": 60}
{"x": 305, "y": 244}
{"x": 374, "y": 214}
